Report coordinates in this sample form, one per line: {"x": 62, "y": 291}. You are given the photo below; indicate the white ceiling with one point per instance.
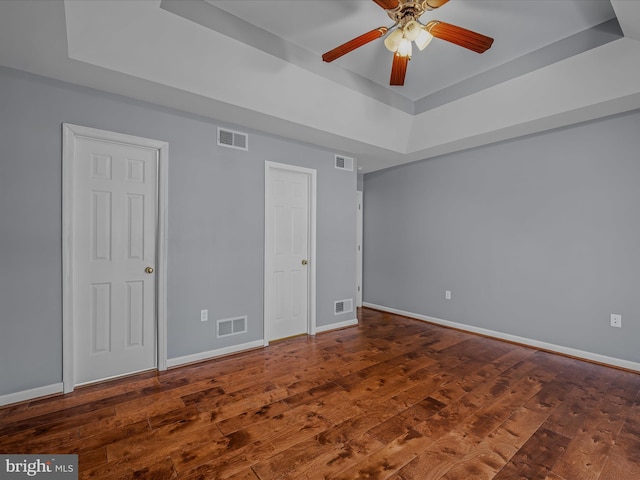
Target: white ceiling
{"x": 256, "y": 63}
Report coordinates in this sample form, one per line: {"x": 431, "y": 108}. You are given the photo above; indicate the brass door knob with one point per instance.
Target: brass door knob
{"x": 148, "y": 270}
{"x": 304, "y": 262}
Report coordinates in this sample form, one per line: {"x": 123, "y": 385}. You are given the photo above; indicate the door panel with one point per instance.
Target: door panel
{"x": 115, "y": 223}
{"x": 287, "y": 248}
{"x": 359, "y": 222}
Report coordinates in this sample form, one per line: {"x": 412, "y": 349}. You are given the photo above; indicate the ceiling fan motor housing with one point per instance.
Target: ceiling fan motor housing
{"x": 406, "y": 11}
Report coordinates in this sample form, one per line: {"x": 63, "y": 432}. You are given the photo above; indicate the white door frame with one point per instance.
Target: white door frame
{"x": 268, "y": 261}
{"x": 69, "y": 134}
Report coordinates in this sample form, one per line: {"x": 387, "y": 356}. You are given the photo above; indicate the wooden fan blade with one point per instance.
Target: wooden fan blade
{"x": 460, "y": 36}
{"x": 387, "y": 4}
{"x": 345, "y": 48}
{"x": 398, "y": 69}
{"x": 433, "y": 4}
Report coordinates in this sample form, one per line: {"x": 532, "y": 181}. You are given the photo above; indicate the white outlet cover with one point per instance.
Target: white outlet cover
{"x": 447, "y": 294}
{"x": 204, "y": 315}
{"x": 616, "y": 320}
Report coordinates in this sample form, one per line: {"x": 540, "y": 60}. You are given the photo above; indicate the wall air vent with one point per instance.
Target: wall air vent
{"x": 231, "y": 326}
{"x": 344, "y": 163}
{"x": 231, "y": 139}
{"x": 343, "y": 306}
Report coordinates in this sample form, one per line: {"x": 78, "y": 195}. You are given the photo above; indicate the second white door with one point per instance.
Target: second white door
{"x": 287, "y": 251}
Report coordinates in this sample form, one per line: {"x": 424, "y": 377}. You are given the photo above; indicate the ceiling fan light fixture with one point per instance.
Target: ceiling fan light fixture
{"x": 392, "y": 42}
{"x": 424, "y": 39}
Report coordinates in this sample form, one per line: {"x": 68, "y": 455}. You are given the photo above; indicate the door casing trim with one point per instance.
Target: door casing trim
{"x": 69, "y": 133}
{"x": 268, "y": 221}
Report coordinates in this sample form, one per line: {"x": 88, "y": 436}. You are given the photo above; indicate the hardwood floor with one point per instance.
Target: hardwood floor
{"x": 392, "y": 398}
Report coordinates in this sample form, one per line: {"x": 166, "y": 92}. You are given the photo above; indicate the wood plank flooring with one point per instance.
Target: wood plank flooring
{"x": 393, "y": 398}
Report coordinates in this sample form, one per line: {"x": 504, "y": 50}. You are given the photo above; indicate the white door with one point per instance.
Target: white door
{"x": 359, "y": 218}
{"x": 287, "y": 253}
{"x": 115, "y": 218}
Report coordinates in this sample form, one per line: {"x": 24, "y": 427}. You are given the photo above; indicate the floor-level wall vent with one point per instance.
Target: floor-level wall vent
{"x": 231, "y": 326}
{"x": 344, "y": 163}
{"x": 343, "y": 306}
{"x": 231, "y": 139}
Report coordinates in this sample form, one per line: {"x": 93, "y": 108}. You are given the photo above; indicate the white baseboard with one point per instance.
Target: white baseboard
{"x": 198, "y": 357}
{"x": 572, "y": 352}
{"x": 336, "y": 326}
{"x": 31, "y": 394}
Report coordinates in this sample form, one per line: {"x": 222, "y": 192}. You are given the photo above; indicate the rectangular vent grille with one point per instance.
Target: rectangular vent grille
{"x": 231, "y": 139}
{"x": 343, "y": 306}
{"x": 344, "y": 163}
{"x": 231, "y": 326}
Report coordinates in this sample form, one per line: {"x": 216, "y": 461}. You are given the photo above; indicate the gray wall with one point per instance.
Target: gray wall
{"x": 216, "y": 223}
{"x": 537, "y": 237}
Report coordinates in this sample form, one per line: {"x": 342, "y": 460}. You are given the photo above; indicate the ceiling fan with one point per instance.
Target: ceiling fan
{"x": 405, "y": 14}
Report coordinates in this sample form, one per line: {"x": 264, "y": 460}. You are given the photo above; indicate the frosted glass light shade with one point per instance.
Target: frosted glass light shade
{"x": 404, "y": 49}
{"x": 412, "y": 30}
{"x": 424, "y": 39}
{"x": 392, "y": 42}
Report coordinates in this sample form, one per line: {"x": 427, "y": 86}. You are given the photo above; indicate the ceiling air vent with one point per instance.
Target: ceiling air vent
{"x": 231, "y": 139}
{"x": 343, "y": 306}
{"x": 231, "y": 326}
{"x": 344, "y": 163}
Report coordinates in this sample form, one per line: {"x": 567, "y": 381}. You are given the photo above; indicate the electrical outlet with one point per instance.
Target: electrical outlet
{"x": 447, "y": 294}
{"x": 616, "y": 320}
{"x": 204, "y": 315}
